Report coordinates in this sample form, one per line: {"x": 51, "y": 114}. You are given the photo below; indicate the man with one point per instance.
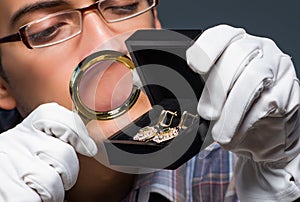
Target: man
{"x": 38, "y": 69}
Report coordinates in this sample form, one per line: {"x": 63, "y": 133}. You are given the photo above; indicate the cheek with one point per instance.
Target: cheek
{"x": 39, "y": 78}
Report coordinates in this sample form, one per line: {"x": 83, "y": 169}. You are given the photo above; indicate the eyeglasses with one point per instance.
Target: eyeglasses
{"x": 62, "y": 26}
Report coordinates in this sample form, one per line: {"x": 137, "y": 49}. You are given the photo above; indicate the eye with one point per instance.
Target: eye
{"x": 47, "y": 34}
{"x": 123, "y": 10}
{"x": 116, "y": 9}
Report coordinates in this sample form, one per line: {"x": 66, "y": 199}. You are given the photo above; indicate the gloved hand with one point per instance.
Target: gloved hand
{"x": 252, "y": 96}
{"x": 38, "y": 158}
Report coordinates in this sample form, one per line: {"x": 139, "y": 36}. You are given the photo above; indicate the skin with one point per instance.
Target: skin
{"x": 45, "y": 80}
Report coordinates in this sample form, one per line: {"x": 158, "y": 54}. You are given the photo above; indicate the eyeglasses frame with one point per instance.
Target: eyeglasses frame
{"x": 21, "y": 34}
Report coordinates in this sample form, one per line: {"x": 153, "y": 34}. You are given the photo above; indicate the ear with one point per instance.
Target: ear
{"x": 157, "y": 23}
{"x": 7, "y": 101}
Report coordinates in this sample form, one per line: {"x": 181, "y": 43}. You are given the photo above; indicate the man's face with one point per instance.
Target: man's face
{"x": 42, "y": 75}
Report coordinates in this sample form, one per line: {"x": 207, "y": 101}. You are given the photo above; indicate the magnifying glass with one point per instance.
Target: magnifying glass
{"x": 102, "y": 86}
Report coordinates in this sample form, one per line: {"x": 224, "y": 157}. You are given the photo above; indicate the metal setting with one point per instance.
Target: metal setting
{"x": 149, "y": 132}
{"x": 163, "y": 118}
{"x": 166, "y": 134}
{"x": 185, "y": 119}
{"x": 146, "y": 133}
{"x": 162, "y": 131}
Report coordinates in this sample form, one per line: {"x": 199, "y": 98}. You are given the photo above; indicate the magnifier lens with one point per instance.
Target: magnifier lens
{"x": 102, "y": 86}
{"x": 105, "y": 85}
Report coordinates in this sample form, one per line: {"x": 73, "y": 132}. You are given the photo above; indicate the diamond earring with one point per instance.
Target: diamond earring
{"x": 168, "y": 133}
{"x": 148, "y": 132}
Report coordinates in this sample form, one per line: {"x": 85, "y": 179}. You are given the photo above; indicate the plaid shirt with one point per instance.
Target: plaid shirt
{"x": 206, "y": 177}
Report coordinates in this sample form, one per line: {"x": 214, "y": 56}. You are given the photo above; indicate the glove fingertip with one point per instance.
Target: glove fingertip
{"x": 93, "y": 148}
{"x": 89, "y": 148}
{"x": 207, "y": 113}
{"x": 198, "y": 60}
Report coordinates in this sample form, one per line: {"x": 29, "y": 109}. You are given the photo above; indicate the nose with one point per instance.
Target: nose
{"x": 95, "y": 32}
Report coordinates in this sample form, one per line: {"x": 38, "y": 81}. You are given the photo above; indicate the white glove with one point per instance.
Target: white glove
{"x": 252, "y": 96}
{"x": 37, "y": 160}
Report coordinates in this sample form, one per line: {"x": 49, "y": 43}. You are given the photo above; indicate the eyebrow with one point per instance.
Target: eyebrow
{"x": 35, "y": 7}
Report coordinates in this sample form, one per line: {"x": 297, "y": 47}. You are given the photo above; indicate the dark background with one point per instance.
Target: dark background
{"x": 278, "y": 20}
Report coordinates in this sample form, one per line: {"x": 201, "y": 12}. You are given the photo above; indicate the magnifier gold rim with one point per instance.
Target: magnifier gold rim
{"x": 80, "y": 107}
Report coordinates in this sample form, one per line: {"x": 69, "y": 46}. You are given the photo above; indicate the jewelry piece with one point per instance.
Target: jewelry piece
{"x": 166, "y": 134}
{"x": 163, "y": 118}
{"x": 187, "y": 118}
{"x": 148, "y": 132}
{"x": 170, "y": 133}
